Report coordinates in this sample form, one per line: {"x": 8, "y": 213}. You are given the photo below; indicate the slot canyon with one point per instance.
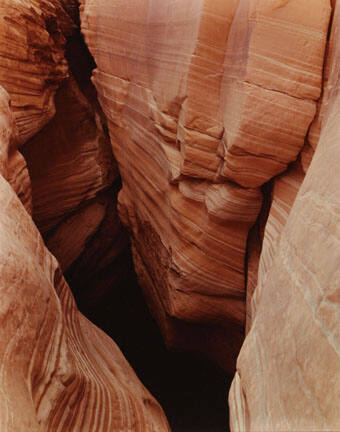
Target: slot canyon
{"x": 170, "y": 215}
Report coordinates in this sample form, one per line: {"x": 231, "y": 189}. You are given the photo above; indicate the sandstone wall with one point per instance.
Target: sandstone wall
{"x": 58, "y": 371}
{"x": 223, "y": 119}
{"x": 46, "y": 68}
{"x": 288, "y": 369}
{"x": 206, "y": 101}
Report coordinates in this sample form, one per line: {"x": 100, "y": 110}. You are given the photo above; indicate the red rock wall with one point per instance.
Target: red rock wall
{"x": 205, "y": 103}
{"x": 58, "y": 371}
{"x": 288, "y": 369}
{"x": 33, "y": 34}
{"x": 159, "y": 88}
{"x": 74, "y": 181}
{"x": 223, "y": 118}
{"x": 74, "y": 176}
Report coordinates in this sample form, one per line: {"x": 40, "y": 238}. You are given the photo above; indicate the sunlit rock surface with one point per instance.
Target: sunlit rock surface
{"x": 206, "y": 101}
{"x": 288, "y": 371}
{"x": 223, "y": 117}
{"x": 160, "y": 69}
{"x": 273, "y": 75}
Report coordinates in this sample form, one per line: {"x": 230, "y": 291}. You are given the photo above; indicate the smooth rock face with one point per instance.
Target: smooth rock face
{"x": 205, "y": 101}
{"x": 288, "y": 371}
{"x": 284, "y": 193}
{"x": 160, "y": 90}
{"x": 269, "y": 91}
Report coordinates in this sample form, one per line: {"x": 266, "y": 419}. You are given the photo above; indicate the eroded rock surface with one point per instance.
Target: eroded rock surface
{"x": 161, "y": 99}
{"x": 273, "y": 76}
{"x": 192, "y": 167}
{"x": 289, "y": 366}
{"x": 74, "y": 176}
{"x": 58, "y": 371}
{"x": 74, "y": 179}
{"x": 223, "y": 118}
{"x": 205, "y": 103}
{"x": 33, "y": 35}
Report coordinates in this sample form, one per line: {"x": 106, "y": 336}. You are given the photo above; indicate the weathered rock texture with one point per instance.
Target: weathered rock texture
{"x": 74, "y": 176}
{"x": 74, "y": 185}
{"x": 58, "y": 371}
{"x": 223, "y": 118}
{"x": 32, "y": 38}
{"x": 206, "y": 101}
{"x": 288, "y": 371}
{"x": 12, "y": 165}
{"x": 70, "y": 160}
{"x": 158, "y": 78}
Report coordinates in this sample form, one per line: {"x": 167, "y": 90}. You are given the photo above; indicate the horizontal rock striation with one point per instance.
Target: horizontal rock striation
{"x": 223, "y": 120}
{"x": 12, "y": 165}
{"x": 74, "y": 175}
{"x": 70, "y": 160}
{"x": 33, "y": 35}
{"x": 205, "y": 103}
{"x": 273, "y": 72}
{"x": 73, "y": 172}
{"x": 159, "y": 88}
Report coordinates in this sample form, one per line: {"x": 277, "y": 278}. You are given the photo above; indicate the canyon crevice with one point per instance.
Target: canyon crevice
{"x": 202, "y": 134}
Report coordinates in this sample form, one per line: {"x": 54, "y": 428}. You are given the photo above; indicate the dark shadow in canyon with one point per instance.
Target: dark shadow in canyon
{"x": 192, "y": 392}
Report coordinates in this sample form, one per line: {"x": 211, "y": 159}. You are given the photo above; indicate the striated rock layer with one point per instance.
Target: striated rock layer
{"x": 74, "y": 187}
{"x": 159, "y": 88}
{"x": 74, "y": 176}
{"x": 12, "y": 165}
{"x": 206, "y": 101}
{"x": 223, "y": 118}
{"x": 58, "y": 371}
{"x": 288, "y": 377}
{"x": 33, "y": 35}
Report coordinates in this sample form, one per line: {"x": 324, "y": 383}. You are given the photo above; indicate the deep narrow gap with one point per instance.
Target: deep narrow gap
{"x": 192, "y": 391}
{"x": 254, "y": 248}
{"x": 257, "y": 230}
